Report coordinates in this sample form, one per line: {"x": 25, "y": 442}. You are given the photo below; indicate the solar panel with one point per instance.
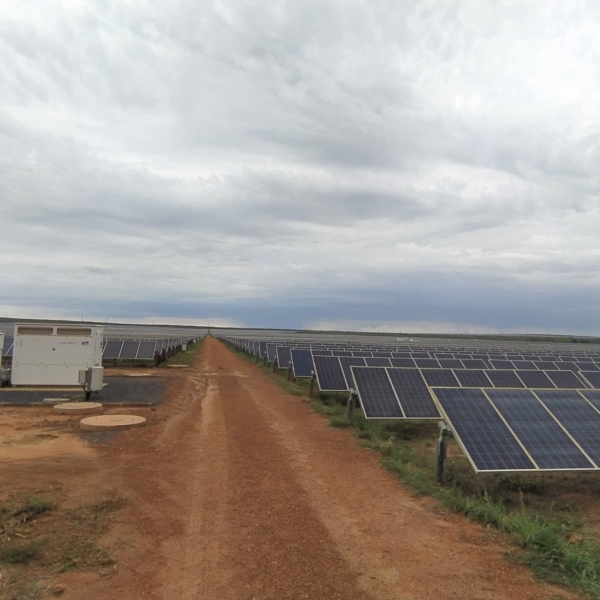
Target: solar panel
{"x": 592, "y": 377}
{"x": 450, "y": 363}
{"x": 536, "y": 379}
{"x": 403, "y": 362}
{"x": 112, "y": 349}
{"x": 590, "y": 367}
{"x": 341, "y": 353}
{"x": 350, "y": 361}
{"x": 284, "y": 356}
{"x": 376, "y": 394}
{"x": 413, "y": 394}
{"x": 361, "y": 353}
{"x": 322, "y": 353}
{"x": 271, "y": 352}
{"x": 546, "y": 365}
{"x": 382, "y": 354}
{"x": 329, "y": 374}
{"x": 419, "y": 355}
{"x": 488, "y": 442}
{"x": 504, "y": 379}
{"x": 564, "y": 380}
{"x": 377, "y": 362}
{"x": 472, "y": 378}
{"x": 302, "y": 362}
{"x": 502, "y": 364}
{"x": 129, "y": 349}
{"x": 439, "y": 378}
{"x": 8, "y": 342}
{"x": 146, "y": 350}
{"x": 526, "y": 365}
{"x": 565, "y": 365}
{"x": 593, "y": 397}
{"x": 427, "y": 363}
{"x": 544, "y": 439}
{"x": 578, "y": 417}
{"x": 475, "y": 364}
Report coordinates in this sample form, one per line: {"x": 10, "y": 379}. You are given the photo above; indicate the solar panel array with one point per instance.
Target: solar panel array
{"x": 516, "y": 409}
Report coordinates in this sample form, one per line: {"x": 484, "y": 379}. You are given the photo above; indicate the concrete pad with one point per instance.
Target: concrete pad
{"x": 111, "y": 422}
{"x": 77, "y": 408}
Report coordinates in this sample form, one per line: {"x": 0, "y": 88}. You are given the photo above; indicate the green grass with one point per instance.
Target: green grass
{"x": 20, "y": 555}
{"x": 187, "y": 358}
{"x": 552, "y": 541}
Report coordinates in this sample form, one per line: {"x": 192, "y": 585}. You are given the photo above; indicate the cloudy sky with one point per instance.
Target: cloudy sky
{"x": 385, "y": 165}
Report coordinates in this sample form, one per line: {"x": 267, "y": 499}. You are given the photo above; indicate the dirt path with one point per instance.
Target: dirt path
{"x": 241, "y": 492}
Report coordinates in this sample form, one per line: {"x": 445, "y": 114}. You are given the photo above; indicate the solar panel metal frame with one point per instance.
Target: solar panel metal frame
{"x": 323, "y": 360}
{"x": 358, "y": 373}
{"x": 302, "y": 362}
{"x": 283, "y": 355}
{"x": 437, "y": 392}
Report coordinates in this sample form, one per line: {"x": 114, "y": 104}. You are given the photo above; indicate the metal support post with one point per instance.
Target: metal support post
{"x": 311, "y": 387}
{"x": 289, "y": 371}
{"x": 441, "y": 451}
{"x": 350, "y": 405}
{"x": 275, "y": 366}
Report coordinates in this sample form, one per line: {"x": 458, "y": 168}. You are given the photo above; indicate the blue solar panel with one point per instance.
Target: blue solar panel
{"x": 526, "y": 365}
{"x": 536, "y": 379}
{"x": 546, "y": 365}
{"x": 350, "y": 361}
{"x": 440, "y": 378}
{"x": 376, "y": 394}
{"x": 146, "y": 350}
{"x": 450, "y": 363}
{"x": 329, "y": 374}
{"x": 302, "y": 362}
{"x": 112, "y": 349}
{"x": 485, "y": 437}
{"x": 593, "y": 397}
{"x": 544, "y": 439}
{"x": 284, "y": 356}
{"x": 271, "y": 352}
{"x": 377, "y": 362}
{"x": 502, "y": 364}
{"x": 504, "y": 379}
{"x": 592, "y": 377}
{"x": 362, "y": 353}
{"x": 413, "y": 394}
{"x": 472, "y": 378}
{"x": 129, "y": 349}
{"x": 408, "y": 363}
{"x": 580, "y": 419}
{"x": 565, "y": 380}
{"x": 475, "y": 364}
{"x": 427, "y": 363}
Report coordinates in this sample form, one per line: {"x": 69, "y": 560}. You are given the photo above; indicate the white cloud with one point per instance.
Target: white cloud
{"x": 300, "y": 156}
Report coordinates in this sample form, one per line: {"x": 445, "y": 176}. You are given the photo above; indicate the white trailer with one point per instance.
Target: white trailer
{"x": 54, "y": 354}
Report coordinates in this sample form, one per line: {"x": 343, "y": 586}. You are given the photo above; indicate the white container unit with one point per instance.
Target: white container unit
{"x": 54, "y": 354}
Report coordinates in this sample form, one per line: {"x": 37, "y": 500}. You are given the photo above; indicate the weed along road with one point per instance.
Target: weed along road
{"x": 240, "y": 491}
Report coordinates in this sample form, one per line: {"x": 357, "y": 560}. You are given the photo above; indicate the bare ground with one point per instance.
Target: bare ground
{"x": 235, "y": 490}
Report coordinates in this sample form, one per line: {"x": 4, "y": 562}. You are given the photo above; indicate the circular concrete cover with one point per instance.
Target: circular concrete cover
{"x": 107, "y": 422}
{"x": 77, "y": 408}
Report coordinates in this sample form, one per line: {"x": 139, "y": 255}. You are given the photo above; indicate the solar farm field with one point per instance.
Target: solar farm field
{"x": 238, "y": 487}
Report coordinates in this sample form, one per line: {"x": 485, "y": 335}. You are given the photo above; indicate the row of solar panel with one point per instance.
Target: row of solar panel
{"x": 383, "y": 390}
{"x": 333, "y": 373}
{"x": 136, "y": 349}
{"x": 119, "y": 349}
{"x": 270, "y": 349}
{"x": 424, "y": 352}
{"x": 524, "y": 430}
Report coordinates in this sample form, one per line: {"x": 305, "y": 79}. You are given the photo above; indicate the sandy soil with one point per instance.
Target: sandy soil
{"x": 236, "y": 490}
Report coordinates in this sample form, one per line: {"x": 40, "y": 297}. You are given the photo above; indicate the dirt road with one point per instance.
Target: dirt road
{"x": 239, "y": 491}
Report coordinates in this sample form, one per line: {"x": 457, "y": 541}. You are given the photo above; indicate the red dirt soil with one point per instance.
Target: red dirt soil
{"x": 238, "y": 491}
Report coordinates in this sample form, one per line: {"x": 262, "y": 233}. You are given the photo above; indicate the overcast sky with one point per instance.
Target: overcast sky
{"x": 385, "y": 165}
